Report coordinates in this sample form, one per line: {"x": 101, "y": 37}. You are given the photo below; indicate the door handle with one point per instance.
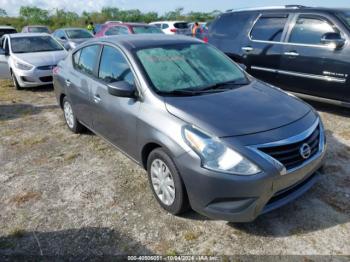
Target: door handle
{"x": 291, "y": 53}
{"x": 247, "y": 48}
{"x": 68, "y": 82}
{"x": 97, "y": 98}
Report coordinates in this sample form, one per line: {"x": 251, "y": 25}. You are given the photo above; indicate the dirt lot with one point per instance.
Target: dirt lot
{"x": 62, "y": 193}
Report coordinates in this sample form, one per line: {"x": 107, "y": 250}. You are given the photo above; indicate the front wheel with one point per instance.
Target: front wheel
{"x": 71, "y": 121}
{"x": 166, "y": 183}
{"x": 16, "y": 85}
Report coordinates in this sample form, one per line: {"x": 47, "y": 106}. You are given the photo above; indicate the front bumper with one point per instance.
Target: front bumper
{"x": 33, "y": 77}
{"x": 242, "y": 198}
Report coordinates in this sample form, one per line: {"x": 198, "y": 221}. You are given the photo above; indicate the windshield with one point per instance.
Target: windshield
{"x": 38, "y": 29}
{"x": 345, "y": 16}
{"x": 188, "y": 67}
{"x": 34, "y": 44}
{"x": 78, "y": 34}
{"x": 146, "y": 30}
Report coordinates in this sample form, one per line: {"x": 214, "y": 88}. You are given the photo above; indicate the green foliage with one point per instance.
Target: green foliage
{"x": 57, "y": 18}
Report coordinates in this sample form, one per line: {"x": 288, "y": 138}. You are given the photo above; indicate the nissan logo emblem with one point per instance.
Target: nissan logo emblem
{"x": 305, "y": 151}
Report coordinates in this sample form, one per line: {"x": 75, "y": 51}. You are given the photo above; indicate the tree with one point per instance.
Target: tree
{"x": 3, "y": 12}
{"x": 34, "y": 15}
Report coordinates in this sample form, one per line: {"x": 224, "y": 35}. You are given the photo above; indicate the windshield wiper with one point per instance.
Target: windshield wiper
{"x": 221, "y": 84}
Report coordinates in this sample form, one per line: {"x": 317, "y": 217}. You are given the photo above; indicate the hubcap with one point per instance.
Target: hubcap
{"x": 68, "y": 114}
{"x": 163, "y": 182}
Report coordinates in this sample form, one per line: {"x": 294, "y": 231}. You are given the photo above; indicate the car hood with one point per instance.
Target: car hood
{"x": 42, "y": 58}
{"x": 246, "y": 110}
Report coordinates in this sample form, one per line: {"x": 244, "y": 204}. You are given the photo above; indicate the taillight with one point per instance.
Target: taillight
{"x": 173, "y": 30}
{"x": 205, "y": 39}
{"x": 55, "y": 70}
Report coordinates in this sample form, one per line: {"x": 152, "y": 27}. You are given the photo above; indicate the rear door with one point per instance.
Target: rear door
{"x": 4, "y": 67}
{"x": 262, "y": 49}
{"x": 313, "y": 68}
{"x": 114, "y": 117}
{"x": 81, "y": 80}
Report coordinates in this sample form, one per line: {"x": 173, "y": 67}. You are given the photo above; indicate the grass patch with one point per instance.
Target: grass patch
{"x": 190, "y": 236}
{"x": 25, "y": 197}
{"x": 31, "y": 141}
{"x": 171, "y": 252}
{"x": 17, "y": 233}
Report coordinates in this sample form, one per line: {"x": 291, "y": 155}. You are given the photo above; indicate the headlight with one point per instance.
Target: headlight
{"x": 22, "y": 66}
{"x": 216, "y": 156}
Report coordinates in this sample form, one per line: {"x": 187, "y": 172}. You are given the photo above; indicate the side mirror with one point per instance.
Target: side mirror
{"x": 63, "y": 38}
{"x": 121, "y": 89}
{"x": 333, "y": 39}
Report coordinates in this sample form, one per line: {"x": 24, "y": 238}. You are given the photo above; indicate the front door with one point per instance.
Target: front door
{"x": 4, "y": 55}
{"x": 263, "y": 50}
{"x": 115, "y": 118}
{"x": 313, "y": 68}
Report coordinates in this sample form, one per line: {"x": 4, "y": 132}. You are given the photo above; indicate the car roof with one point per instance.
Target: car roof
{"x": 177, "y": 21}
{"x": 290, "y": 8}
{"x": 36, "y": 26}
{"x": 136, "y": 41}
{"x": 6, "y": 27}
{"x": 71, "y": 28}
{"x": 28, "y": 35}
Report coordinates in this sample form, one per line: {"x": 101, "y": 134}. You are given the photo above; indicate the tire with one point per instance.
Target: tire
{"x": 176, "y": 205}
{"x": 69, "y": 116}
{"x": 16, "y": 85}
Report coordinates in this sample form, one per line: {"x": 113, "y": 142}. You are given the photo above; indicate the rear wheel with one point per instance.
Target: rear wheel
{"x": 16, "y": 85}
{"x": 166, "y": 183}
{"x": 71, "y": 121}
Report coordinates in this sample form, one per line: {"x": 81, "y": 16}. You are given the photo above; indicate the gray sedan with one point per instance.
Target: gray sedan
{"x": 71, "y": 37}
{"x": 210, "y": 136}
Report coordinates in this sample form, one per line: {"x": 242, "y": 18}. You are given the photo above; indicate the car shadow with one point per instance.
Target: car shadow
{"x": 87, "y": 243}
{"x": 329, "y": 108}
{"x": 324, "y": 206}
{"x": 43, "y": 88}
{"x": 13, "y": 111}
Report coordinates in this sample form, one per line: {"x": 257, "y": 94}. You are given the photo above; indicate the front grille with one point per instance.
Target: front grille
{"x": 48, "y": 67}
{"x": 46, "y": 79}
{"x": 289, "y": 155}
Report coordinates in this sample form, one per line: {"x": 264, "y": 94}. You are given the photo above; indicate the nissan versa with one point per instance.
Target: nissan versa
{"x": 210, "y": 136}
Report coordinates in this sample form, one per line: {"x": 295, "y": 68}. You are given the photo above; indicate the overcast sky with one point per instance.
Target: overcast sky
{"x": 160, "y": 6}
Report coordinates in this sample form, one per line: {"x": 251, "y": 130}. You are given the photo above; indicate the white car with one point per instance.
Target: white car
{"x": 172, "y": 27}
{"x": 28, "y": 58}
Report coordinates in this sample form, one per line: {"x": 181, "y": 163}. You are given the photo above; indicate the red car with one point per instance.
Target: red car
{"x": 126, "y": 29}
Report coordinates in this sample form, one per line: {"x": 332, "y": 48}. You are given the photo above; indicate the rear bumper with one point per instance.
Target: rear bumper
{"x": 243, "y": 198}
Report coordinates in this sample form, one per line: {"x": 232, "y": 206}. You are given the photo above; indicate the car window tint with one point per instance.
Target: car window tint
{"x": 309, "y": 31}
{"x": 7, "y": 31}
{"x": 165, "y": 26}
{"x": 146, "y": 29}
{"x": 123, "y": 31}
{"x": 268, "y": 28}
{"x": 88, "y": 58}
{"x": 157, "y": 25}
{"x": 230, "y": 25}
{"x": 114, "y": 67}
{"x": 181, "y": 25}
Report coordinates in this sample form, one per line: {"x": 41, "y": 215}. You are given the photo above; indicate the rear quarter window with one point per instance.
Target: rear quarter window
{"x": 181, "y": 25}
{"x": 230, "y": 25}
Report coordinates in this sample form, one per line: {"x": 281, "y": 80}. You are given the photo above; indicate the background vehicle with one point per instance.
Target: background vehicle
{"x": 126, "y": 29}
{"x": 71, "y": 37}
{"x": 172, "y": 27}
{"x": 301, "y": 49}
{"x": 231, "y": 146}
{"x": 5, "y": 29}
{"x": 30, "y": 58}
{"x": 36, "y": 29}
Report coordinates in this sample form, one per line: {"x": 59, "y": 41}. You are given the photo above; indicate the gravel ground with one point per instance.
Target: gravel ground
{"x": 62, "y": 193}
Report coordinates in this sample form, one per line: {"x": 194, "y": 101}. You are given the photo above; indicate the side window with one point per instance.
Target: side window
{"x": 114, "y": 67}
{"x": 309, "y": 30}
{"x": 113, "y": 31}
{"x": 269, "y": 28}
{"x": 76, "y": 57}
{"x": 157, "y": 25}
{"x": 165, "y": 26}
{"x": 230, "y": 25}
{"x": 123, "y": 30}
{"x": 88, "y": 58}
